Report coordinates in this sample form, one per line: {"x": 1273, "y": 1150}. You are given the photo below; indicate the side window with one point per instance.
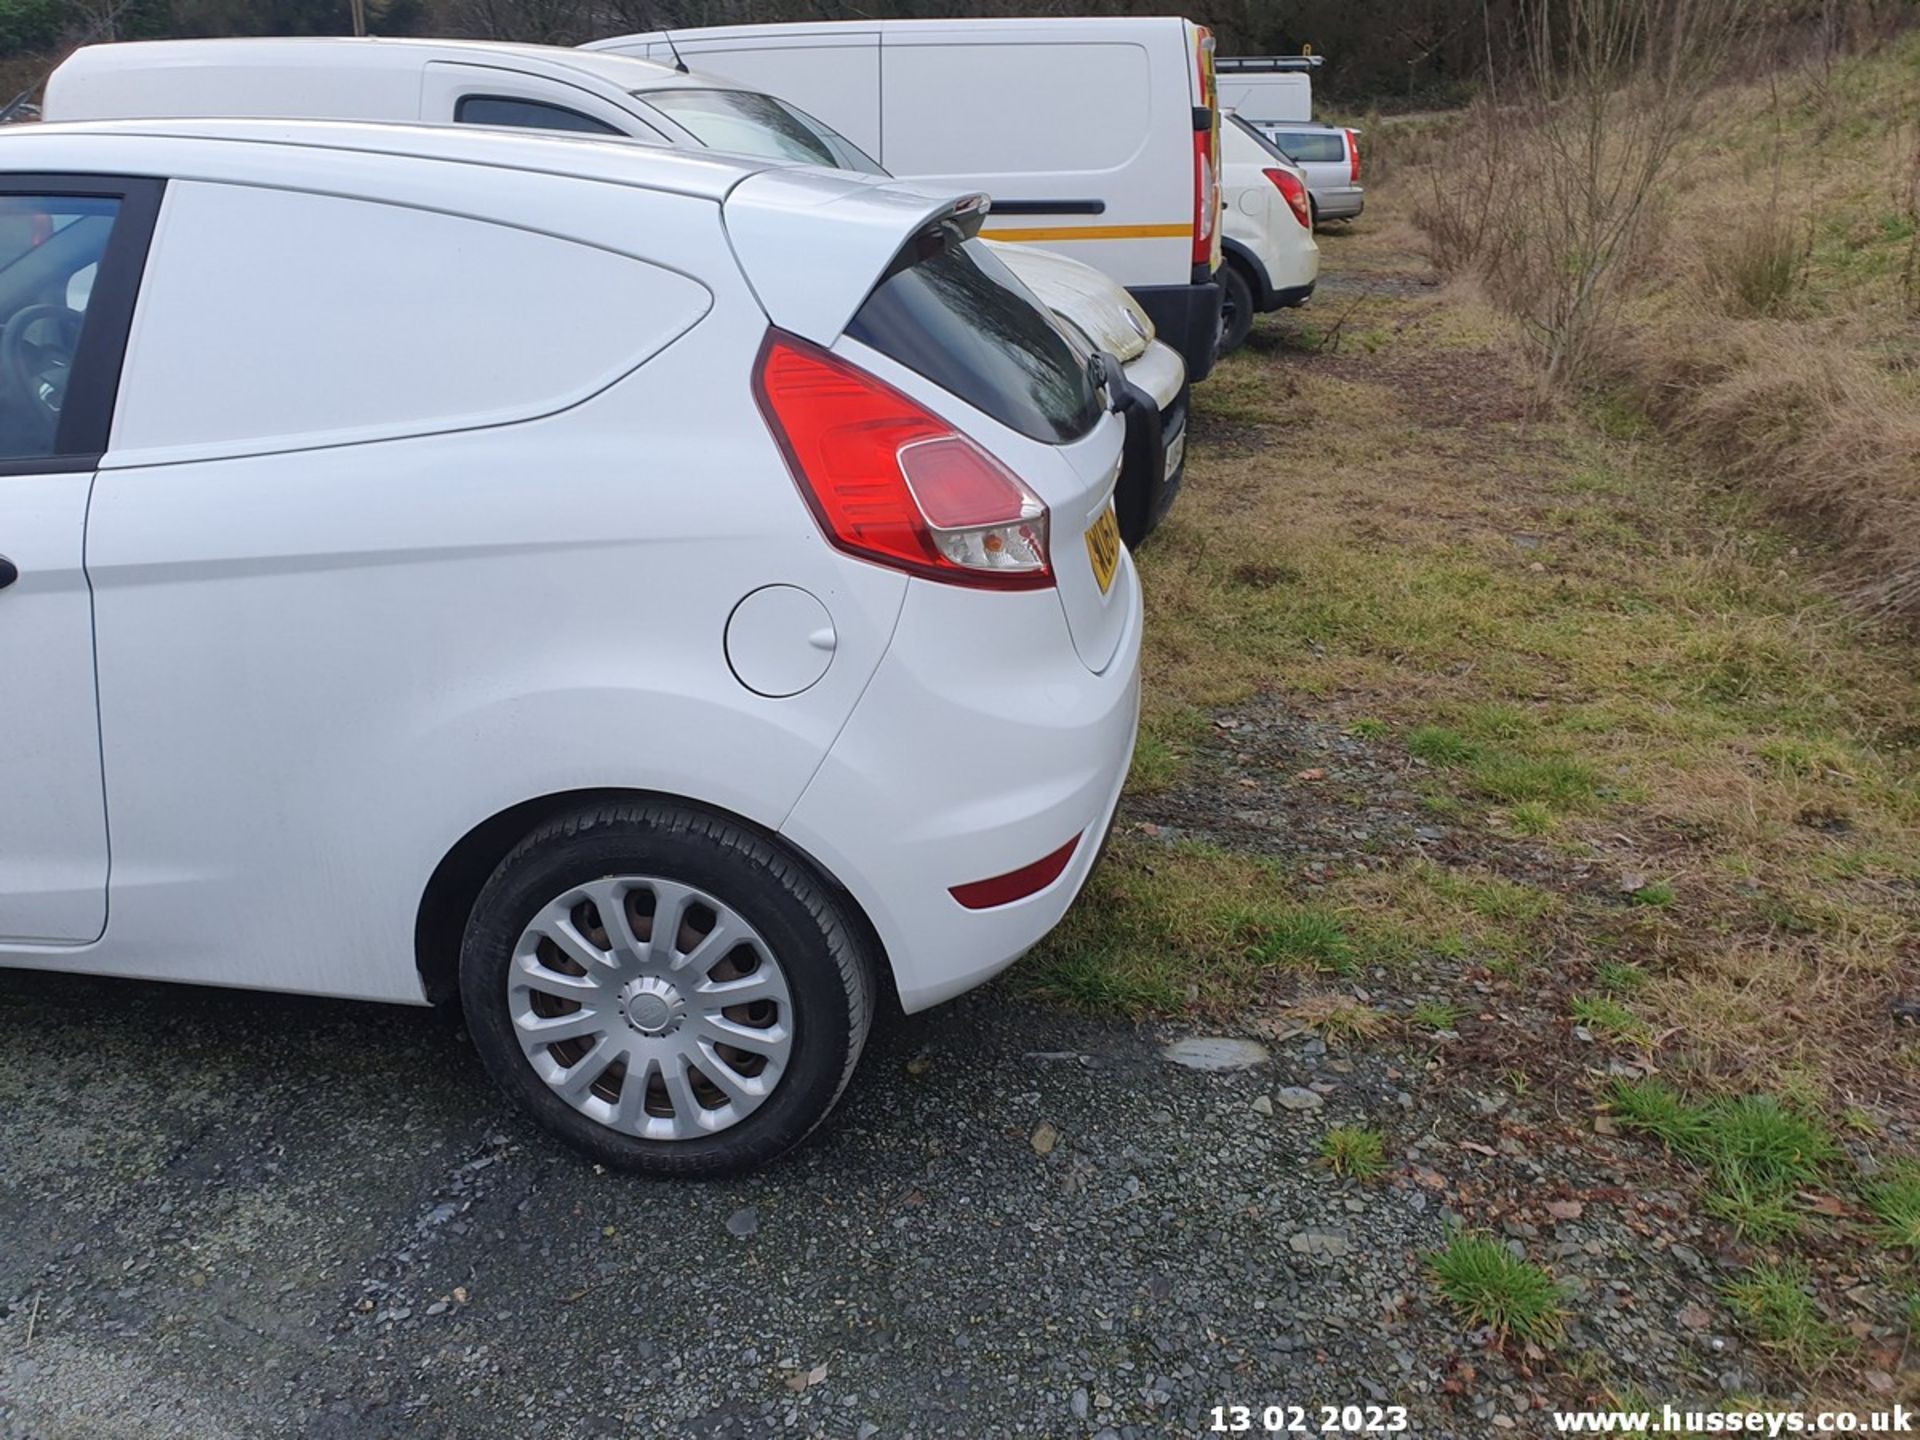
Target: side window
{"x": 275, "y": 320}
{"x": 69, "y": 266}
{"x": 509, "y": 113}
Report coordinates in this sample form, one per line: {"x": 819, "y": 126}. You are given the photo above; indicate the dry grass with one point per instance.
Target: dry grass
{"x": 1766, "y": 309}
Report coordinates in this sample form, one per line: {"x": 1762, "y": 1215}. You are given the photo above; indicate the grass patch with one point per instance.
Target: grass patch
{"x": 1435, "y": 1015}
{"x": 1773, "y": 1300}
{"x": 1556, "y": 781}
{"x": 1658, "y": 894}
{"x": 1619, "y": 977}
{"x": 1757, "y": 1152}
{"x": 1309, "y": 936}
{"x": 1894, "y": 1199}
{"x": 1607, "y": 1017}
{"x": 1340, "y": 1019}
{"x": 1487, "y": 1284}
{"x": 1438, "y": 745}
{"x": 1361, "y": 1154}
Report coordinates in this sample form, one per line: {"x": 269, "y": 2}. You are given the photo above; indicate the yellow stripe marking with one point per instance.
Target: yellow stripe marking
{"x": 1091, "y": 232}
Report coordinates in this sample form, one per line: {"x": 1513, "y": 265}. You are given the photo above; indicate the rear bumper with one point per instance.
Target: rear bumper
{"x": 981, "y": 745}
{"x": 1187, "y": 317}
{"x": 1154, "y": 463}
{"x": 1341, "y": 202}
{"x": 1292, "y": 296}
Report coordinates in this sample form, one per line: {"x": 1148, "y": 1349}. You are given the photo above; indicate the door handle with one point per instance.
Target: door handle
{"x": 9, "y": 572}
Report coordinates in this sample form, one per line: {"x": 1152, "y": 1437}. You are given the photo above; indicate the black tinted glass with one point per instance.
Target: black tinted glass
{"x": 504, "y": 111}
{"x": 953, "y": 313}
{"x": 50, "y": 252}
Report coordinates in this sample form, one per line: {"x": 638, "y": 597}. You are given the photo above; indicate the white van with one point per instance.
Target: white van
{"x": 1096, "y": 137}
{"x": 1268, "y": 89}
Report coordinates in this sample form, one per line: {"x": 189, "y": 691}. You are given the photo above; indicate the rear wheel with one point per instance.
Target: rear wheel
{"x": 1236, "y": 309}
{"x": 664, "y": 990}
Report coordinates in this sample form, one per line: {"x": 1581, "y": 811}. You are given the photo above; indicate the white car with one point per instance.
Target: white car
{"x": 1273, "y": 261}
{"x": 657, "y": 598}
{"x": 544, "y": 87}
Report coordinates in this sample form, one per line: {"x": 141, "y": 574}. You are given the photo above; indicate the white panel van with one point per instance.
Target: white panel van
{"x": 1098, "y": 137}
{"x": 1268, "y": 89}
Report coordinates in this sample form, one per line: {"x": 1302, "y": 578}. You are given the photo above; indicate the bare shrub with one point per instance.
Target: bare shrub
{"x": 1611, "y": 91}
{"x": 1464, "y": 214}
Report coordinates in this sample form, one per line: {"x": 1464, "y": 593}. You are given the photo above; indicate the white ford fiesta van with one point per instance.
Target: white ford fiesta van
{"x": 1095, "y": 136}
{"x": 545, "y": 87}
{"x": 656, "y": 598}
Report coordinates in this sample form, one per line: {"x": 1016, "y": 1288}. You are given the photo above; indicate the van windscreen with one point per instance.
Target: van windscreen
{"x": 749, "y": 123}
{"x": 948, "y": 309}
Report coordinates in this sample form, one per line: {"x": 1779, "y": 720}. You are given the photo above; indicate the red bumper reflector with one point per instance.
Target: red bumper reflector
{"x": 1016, "y": 884}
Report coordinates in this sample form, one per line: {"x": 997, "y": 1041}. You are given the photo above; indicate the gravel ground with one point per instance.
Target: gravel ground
{"x": 238, "y": 1215}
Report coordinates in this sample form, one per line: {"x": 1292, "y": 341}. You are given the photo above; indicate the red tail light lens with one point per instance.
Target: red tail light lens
{"x": 1204, "y": 204}
{"x": 1288, "y": 184}
{"x": 1353, "y": 156}
{"x": 1206, "y": 153}
{"x": 891, "y": 482}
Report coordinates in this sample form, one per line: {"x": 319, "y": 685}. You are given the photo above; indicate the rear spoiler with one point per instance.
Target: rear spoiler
{"x": 813, "y": 246}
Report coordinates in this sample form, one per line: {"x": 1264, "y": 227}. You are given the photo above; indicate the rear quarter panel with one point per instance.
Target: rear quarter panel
{"x": 320, "y": 668}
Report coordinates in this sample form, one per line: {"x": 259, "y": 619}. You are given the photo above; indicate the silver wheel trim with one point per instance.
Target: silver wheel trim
{"x": 645, "y": 1045}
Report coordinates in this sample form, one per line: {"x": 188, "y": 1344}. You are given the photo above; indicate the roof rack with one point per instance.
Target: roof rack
{"x": 1225, "y": 63}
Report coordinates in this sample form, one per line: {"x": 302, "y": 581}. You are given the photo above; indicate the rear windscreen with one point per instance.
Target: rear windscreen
{"x": 749, "y": 123}
{"x": 1305, "y": 145}
{"x": 949, "y": 310}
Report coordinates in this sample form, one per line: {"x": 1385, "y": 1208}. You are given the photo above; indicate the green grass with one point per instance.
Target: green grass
{"x": 1366, "y": 729}
{"x": 1487, "y": 1284}
{"x": 1618, "y": 977}
{"x": 1308, "y": 936}
{"x": 1773, "y": 1300}
{"x": 1557, "y": 781}
{"x": 1439, "y": 746}
{"x": 1606, "y": 1016}
{"x": 1531, "y": 817}
{"x": 1361, "y": 1154}
{"x": 1894, "y": 1199}
{"x": 1435, "y": 1015}
{"x": 1758, "y": 1153}
{"x": 1659, "y": 895}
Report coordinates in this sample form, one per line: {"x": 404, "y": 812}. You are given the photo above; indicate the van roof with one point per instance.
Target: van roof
{"x": 233, "y": 149}
{"x": 266, "y": 53}
{"x": 1035, "y": 25}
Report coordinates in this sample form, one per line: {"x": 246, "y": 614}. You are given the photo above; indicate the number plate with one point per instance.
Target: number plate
{"x": 1176, "y": 452}
{"x": 1103, "y": 548}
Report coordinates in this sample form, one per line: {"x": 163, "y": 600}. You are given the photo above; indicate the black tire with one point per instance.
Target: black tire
{"x": 1236, "y": 309}
{"x": 829, "y": 978}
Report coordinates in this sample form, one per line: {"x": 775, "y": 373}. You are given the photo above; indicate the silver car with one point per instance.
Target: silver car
{"x": 1330, "y": 156}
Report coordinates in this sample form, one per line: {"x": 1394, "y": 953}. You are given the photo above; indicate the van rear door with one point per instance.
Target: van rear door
{"x": 1080, "y": 133}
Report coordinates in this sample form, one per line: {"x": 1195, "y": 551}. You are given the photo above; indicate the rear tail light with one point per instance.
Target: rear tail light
{"x": 891, "y": 482}
{"x": 1206, "y": 153}
{"x": 1353, "y": 156}
{"x": 1288, "y": 184}
{"x": 1204, "y": 206}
